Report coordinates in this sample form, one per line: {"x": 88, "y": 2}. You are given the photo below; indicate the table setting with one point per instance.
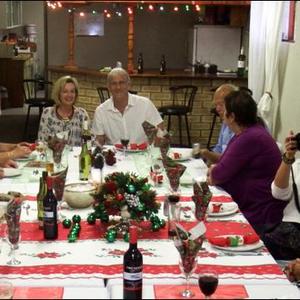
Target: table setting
{"x": 228, "y": 244}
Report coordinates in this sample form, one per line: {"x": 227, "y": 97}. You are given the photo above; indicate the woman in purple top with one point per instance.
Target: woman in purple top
{"x": 249, "y": 164}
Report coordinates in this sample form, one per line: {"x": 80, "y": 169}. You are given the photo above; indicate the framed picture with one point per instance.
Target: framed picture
{"x": 88, "y": 24}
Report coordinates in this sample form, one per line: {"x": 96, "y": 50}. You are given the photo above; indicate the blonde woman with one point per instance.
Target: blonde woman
{"x": 64, "y": 116}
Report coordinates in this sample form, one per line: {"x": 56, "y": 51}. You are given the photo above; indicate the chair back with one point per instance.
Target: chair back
{"x": 104, "y": 94}
{"x": 184, "y": 95}
{"x": 31, "y": 88}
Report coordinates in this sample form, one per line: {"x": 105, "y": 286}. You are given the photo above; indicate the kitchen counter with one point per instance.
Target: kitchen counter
{"x": 148, "y": 73}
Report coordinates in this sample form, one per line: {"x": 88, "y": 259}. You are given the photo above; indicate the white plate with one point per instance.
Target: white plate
{"x": 32, "y": 156}
{"x": 227, "y": 209}
{"x": 241, "y": 248}
{"x": 184, "y": 153}
{"x": 11, "y": 172}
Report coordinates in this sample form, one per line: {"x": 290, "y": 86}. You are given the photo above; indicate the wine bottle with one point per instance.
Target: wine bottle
{"x": 40, "y": 198}
{"x": 50, "y": 212}
{"x": 85, "y": 162}
{"x": 86, "y": 135}
{"x": 133, "y": 268}
{"x": 241, "y": 63}
{"x": 163, "y": 65}
{"x": 140, "y": 67}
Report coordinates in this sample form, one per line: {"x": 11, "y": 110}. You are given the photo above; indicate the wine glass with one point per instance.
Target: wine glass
{"x": 13, "y": 238}
{"x": 124, "y": 142}
{"x": 187, "y": 265}
{"x": 208, "y": 283}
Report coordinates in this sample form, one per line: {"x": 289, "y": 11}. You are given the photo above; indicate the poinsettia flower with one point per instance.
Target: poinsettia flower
{"x": 110, "y": 187}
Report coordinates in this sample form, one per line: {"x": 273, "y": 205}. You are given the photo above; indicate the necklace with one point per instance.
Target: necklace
{"x": 65, "y": 117}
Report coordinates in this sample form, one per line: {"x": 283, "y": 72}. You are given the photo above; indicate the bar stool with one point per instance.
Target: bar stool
{"x": 182, "y": 104}
{"x": 104, "y": 94}
{"x": 30, "y": 92}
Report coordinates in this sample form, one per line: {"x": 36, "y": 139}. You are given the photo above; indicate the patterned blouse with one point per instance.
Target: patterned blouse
{"x": 51, "y": 124}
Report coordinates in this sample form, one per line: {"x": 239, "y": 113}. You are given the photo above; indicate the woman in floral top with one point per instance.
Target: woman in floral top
{"x": 64, "y": 116}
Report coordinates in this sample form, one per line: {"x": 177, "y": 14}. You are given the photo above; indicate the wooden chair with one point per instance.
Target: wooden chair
{"x": 182, "y": 105}
{"x": 32, "y": 99}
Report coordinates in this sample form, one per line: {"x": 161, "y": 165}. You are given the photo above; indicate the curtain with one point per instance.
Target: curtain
{"x": 264, "y": 45}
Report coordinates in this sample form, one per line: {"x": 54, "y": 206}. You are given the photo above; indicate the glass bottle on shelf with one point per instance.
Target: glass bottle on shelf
{"x": 241, "y": 63}
{"x": 163, "y": 65}
{"x": 140, "y": 62}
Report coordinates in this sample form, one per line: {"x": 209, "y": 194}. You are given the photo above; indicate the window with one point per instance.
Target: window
{"x": 13, "y": 13}
{"x": 288, "y": 25}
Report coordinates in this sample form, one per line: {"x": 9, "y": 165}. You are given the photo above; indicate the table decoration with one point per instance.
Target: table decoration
{"x": 202, "y": 196}
{"x": 163, "y": 141}
{"x": 188, "y": 243}
{"x": 128, "y": 196}
{"x": 57, "y": 145}
{"x": 150, "y": 131}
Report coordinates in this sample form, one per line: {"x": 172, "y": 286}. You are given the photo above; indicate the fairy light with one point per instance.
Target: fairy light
{"x": 161, "y": 8}
{"x": 197, "y": 6}
{"x": 176, "y": 8}
{"x": 81, "y": 14}
{"x": 130, "y": 11}
{"x": 59, "y": 5}
{"x": 119, "y": 14}
{"x": 94, "y": 12}
{"x": 151, "y": 7}
{"x": 187, "y": 8}
{"x": 108, "y": 15}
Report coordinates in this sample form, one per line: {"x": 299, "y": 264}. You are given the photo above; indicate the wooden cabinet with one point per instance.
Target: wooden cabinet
{"x": 12, "y": 73}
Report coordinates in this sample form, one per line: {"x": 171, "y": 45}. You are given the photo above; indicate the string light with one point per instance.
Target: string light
{"x": 151, "y": 7}
{"x": 161, "y": 8}
{"x": 176, "y": 8}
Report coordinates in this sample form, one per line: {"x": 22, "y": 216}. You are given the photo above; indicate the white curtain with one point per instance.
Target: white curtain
{"x": 264, "y": 45}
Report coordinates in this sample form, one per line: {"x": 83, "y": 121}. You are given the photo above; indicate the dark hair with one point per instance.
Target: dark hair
{"x": 243, "y": 106}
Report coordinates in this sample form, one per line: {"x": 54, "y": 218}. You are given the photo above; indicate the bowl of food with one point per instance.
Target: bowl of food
{"x": 79, "y": 195}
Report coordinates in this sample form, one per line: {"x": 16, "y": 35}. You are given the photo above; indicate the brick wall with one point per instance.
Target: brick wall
{"x": 157, "y": 89}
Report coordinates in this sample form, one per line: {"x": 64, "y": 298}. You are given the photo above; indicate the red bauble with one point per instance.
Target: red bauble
{"x": 119, "y": 197}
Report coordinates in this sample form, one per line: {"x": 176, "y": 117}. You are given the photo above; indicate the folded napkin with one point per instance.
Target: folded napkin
{"x": 38, "y": 293}
{"x": 228, "y": 291}
{"x": 234, "y": 240}
{"x": 133, "y": 146}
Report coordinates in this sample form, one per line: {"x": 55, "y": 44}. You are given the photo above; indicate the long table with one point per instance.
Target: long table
{"x": 91, "y": 259}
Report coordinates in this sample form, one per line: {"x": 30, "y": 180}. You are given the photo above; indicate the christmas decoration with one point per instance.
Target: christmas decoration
{"x": 202, "y": 196}
{"x": 130, "y": 197}
{"x": 110, "y": 158}
{"x": 67, "y": 223}
{"x": 91, "y": 219}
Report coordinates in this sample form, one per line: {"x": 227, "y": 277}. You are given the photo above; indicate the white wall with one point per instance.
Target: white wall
{"x": 289, "y": 85}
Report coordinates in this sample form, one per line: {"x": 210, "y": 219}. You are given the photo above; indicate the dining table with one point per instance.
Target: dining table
{"x": 92, "y": 267}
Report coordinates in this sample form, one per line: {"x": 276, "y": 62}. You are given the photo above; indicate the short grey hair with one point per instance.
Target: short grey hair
{"x": 117, "y": 71}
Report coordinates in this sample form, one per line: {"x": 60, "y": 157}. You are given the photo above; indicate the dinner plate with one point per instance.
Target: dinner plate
{"x": 180, "y": 154}
{"x": 229, "y": 208}
{"x": 26, "y": 158}
{"x": 11, "y": 172}
{"x": 242, "y": 248}
{"x": 128, "y": 150}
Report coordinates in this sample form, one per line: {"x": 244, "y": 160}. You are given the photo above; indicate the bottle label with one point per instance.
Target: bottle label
{"x": 241, "y": 64}
{"x": 48, "y": 214}
{"x": 89, "y": 145}
{"x": 133, "y": 276}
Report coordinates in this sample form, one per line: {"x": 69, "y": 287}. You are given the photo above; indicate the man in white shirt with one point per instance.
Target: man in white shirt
{"x": 122, "y": 115}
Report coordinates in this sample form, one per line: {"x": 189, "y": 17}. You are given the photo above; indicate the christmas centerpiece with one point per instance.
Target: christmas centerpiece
{"x": 128, "y": 196}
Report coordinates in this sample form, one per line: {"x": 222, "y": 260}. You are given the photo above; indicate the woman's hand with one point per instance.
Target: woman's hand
{"x": 210, "y": 180}
{"x": 19, "y": 151}
{"x": 292, "y": 270}
{"x": 10, "y": 164}
{"x": 290, "y": 146}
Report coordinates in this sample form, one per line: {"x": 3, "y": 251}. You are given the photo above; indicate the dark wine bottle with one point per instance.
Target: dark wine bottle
{"x": 163, "y": 65}
{"x": 140, "y": 62}
{"x": 133, "y": 268}
{"x": 40, "y": 198}
{"x": 50, "y": 212}
{"x": 241, "y": 63}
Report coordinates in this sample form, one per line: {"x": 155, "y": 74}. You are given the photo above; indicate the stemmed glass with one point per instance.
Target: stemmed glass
{"x": 124, "y": 142}
{"x": 187, "y": 265}
{"x": 208, "y": 283}
{"x": 13, "y": 238}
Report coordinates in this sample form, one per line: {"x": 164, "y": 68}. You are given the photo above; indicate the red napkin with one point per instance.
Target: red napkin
{"x": 228, "y": 291}
{"x": 221, "y": 199}
{"x": 38, "y": 292}
{"x": 119, "y": 146}
{"x": 232, "y": 240}
{"x": 142, "y": 146}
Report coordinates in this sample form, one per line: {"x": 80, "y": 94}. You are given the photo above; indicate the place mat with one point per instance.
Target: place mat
{"x": 24, "y": 292}
{"x": 228, "y": 291}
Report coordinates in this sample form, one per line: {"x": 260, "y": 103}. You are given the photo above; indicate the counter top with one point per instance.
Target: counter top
{"x": 146, "y": 74}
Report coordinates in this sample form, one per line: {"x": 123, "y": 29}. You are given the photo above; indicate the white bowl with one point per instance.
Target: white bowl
{"x": 78, "y": 195}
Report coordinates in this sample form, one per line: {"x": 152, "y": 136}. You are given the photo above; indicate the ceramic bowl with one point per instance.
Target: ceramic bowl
{"x": 78, "y": 195}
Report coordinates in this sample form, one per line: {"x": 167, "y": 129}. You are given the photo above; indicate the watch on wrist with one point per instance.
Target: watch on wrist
{"x": 286, "y": 160}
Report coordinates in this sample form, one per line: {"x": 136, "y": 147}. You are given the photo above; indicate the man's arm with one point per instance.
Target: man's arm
{"x": 213, "y": 157}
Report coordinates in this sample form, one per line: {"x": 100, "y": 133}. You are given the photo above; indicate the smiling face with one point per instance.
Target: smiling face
{"x": 67, "y": 94}
{"x": 118, "y": 86}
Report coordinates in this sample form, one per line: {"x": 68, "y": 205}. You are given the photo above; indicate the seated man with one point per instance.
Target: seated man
{"x": 122, "y": 115}
{"x": 225, "y": 134}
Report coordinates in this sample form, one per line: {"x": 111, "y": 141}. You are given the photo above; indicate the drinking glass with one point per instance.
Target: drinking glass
{"x": 187, "y": 265}
{"x": 6, "y": 290}
{"x": 208, "y": 283}
{"x": 125, "y": 142}
{"x": 13, "y": 238}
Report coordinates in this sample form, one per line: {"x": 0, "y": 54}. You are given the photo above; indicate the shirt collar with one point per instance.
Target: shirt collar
{"x": 131, "y": 102}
